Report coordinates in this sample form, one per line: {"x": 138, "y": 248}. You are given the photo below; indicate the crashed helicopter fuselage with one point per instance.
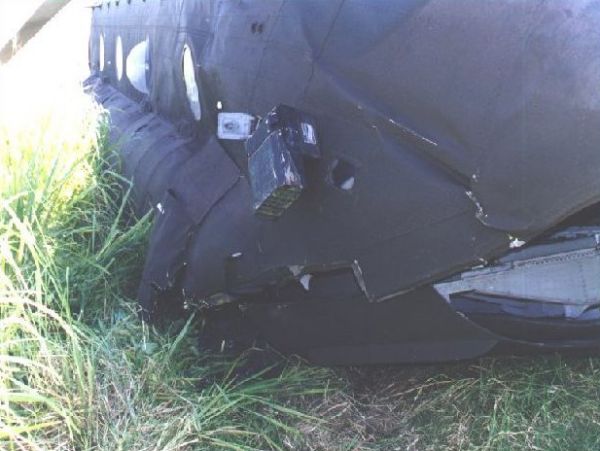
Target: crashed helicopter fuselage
{"x": 364, "y": 182}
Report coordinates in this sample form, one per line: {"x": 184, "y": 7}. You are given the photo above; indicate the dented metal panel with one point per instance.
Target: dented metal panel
{"x": 450, "y": 134}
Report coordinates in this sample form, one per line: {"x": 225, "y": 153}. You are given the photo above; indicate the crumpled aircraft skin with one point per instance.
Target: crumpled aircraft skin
{"x": 364, "y": 181}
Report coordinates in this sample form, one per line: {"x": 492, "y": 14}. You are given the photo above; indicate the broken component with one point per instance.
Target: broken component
{"x": 275, "y": 159}
{"x": 535, "y": 293}
{"x": 430, "y": 226}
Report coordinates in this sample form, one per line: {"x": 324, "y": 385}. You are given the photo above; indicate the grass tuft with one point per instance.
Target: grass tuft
{"x": 78, "y": 371}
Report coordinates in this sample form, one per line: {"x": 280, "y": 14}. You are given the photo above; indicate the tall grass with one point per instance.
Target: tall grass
{"x": 77, "y": 368}
{"x": 46, "y": 373}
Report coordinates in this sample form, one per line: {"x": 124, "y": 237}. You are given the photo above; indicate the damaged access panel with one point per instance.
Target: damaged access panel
{"x": 332, "y": 173}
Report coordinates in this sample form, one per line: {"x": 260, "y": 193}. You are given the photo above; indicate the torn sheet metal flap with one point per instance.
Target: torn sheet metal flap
{"x": 166, "y": 256}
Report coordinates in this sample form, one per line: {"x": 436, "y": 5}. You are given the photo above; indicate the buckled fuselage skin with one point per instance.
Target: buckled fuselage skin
{"x": 449, "y": 132}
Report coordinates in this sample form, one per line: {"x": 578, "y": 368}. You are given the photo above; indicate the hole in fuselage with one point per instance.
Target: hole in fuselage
{"x": 343, "y": 175}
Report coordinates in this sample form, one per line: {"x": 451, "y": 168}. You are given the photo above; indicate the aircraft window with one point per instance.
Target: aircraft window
{"x": 191, "y": 86}
{"x": 101, "y": 53}
{"x": 119, "y": 58}
{"x": 137, "y": 66}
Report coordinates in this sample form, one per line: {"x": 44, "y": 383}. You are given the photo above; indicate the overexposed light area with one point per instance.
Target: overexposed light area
{"x": 46, "y": 74}
{"x": 12, "y": 14}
